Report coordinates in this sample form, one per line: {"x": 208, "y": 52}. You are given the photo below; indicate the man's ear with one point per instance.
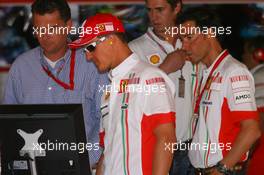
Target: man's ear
{"x": 112, "y": 39}
{"x": 177, "y": 8}
{"x": 69, "y": 24}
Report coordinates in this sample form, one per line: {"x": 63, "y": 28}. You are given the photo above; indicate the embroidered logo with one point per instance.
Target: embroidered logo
{"x": 241, "y": 81}
{"x": 105, "y": 27}
{"x": 155, "y": 80}
{"x": 154, "y": 59}
{"x": 242, "y": 97}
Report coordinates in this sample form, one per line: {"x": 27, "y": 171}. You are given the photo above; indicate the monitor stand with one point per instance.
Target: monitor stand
{"x": 31, "y": 149}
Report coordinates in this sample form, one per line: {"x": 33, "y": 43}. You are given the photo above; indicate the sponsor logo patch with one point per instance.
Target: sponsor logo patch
{"x": 134, "y": 80}
{"x": 239, "y": 78}
{"x": 155, "y": 80}
{"x": 105, "y": 27}
{"x": 207, "y": 103}
{"x": 123, "y": 86}
{"x": 242, "y": 97}
{"x": 241, "y": 81}
{"x": 125, "y": 82}
{"x": 154, "y": 59}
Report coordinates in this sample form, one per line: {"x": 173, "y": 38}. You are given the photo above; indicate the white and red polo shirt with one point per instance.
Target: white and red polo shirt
{"x": 227, "y": 100}
{"x": 141, "y": 97}
{"x": 153, "y": 50}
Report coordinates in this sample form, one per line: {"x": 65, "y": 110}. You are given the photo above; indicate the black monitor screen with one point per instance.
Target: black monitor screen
{"x": 43, "y": 140}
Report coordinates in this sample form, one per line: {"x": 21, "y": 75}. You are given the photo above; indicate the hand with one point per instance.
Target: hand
{"x": 174, "y": 61}
{"x": 215, "y": 172}
{"x": 99, "y": 168}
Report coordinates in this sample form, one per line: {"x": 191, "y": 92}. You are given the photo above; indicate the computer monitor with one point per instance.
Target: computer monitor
{"x": 43, "y": 140}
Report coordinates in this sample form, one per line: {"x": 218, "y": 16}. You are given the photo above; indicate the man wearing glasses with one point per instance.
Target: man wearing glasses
{"x": 138, "y": 115}
{"x": 53, "y": 73}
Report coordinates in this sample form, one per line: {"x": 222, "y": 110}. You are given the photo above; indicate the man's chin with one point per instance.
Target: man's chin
{"x": 159, "y": 29}
{"x": 48, "y": 49}
{"x": 101, "y": 69}
{"x": 193, "y": 61}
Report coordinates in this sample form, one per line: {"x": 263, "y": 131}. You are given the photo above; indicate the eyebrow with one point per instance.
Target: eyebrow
{"x": 156, "y": 8}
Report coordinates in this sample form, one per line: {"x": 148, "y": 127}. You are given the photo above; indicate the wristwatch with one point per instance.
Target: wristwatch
{"x": 222, "y": 168}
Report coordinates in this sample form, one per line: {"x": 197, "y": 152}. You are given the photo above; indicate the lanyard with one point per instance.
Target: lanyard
{"x": 160, "y": 46}
{"x": 208, "y": 82}
{"x": 69, "y": 86}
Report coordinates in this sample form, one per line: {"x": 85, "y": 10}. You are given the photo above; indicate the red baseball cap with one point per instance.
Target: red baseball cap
{"x": 100, "y": 24}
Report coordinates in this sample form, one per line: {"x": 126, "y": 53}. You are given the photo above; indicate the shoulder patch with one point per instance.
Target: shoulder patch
{"x": 240, "y": 81}
{"x": 242, "y": 97}
{"x": 155, "y": 80}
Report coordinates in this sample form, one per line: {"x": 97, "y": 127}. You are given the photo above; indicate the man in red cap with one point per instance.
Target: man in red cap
{"x": 138, "y": 115}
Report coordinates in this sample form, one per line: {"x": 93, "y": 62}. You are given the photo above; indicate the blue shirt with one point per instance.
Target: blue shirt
{"x": 27, "y": 83}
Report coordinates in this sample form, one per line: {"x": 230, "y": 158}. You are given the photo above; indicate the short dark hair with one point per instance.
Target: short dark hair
{"x": 48, "y": 6}
{"x": 121, "y": 36}
{"x": 173, "y": 3}
{"x": 203, "y": 17}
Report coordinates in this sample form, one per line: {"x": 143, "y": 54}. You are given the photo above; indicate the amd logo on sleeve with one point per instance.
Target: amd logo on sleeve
{"x": 243, "y": 97}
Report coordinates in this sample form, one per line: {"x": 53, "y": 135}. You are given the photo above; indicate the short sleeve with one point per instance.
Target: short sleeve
{"x": 159, "y": 93}
{"x": 239, "y": 93}
{"x": 158, "y": 103}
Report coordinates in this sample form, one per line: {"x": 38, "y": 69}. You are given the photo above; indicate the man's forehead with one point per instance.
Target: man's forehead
{"x": 51, "y": 17}
{"x": 156, "y": 3}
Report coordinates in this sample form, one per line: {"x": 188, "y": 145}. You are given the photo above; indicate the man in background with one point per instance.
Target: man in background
{"x": 159, "y": 47}
{"x": 226, "y": 110}
{"x": 53, "y": 73}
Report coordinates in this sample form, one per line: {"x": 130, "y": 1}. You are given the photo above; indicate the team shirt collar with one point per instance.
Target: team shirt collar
{"x": 208, "y": 70}
{"x": 124, "y": 67}
{"x": 65, "y": 58}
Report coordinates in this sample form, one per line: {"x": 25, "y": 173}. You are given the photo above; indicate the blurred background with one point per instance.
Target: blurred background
{"x": 245, "y": 17}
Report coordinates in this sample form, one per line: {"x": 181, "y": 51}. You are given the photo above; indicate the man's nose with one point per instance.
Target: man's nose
{"x": 185, "y": 46}
{"x": 153, "y": 15}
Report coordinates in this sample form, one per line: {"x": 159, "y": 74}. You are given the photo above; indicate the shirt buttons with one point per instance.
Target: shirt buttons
{"x": 50, "y": 88}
